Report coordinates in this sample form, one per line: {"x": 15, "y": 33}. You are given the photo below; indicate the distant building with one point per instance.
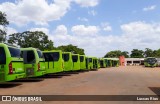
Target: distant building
{"x": 130, "y": 61}
{"x": 134, "y": 61}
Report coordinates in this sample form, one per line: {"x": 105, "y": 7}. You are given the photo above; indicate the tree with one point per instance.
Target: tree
{"x": 156, "y": 53}
{"x": 116, "y": 54}
{"x": 135, "y": 53}
{"x": 3, "y": 23}
{"x": 71, "y": 48}
{"x": 125, "y": 54}
{"x": 148, "y": 53}
{"x": 35, "y": 39}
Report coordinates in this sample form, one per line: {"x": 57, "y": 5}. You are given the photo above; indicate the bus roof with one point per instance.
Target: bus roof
{"x": 52, "y": 51}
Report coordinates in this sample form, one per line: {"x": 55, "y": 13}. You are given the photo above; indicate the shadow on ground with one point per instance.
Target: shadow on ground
{"x": 94, "y": 70}
{"x": 51, "y": 76}
{"x": 29, "y": 80}
{"x": 9, "y": 85}
{"x": 83, "y": 71}
{"x": 156, "y": 90}
{"x": 73, "y": 72}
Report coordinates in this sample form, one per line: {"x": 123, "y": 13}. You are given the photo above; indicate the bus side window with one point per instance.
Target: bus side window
{"x": 2, "y": 56}
{"x": 48, "y": 57}
{"x": 55, "y": 56}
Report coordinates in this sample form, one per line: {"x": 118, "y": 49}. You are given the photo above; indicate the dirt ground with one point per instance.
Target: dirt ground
{"x": 129, "y": 80}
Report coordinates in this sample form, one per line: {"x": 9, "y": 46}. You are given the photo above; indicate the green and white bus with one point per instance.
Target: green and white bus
{"x": 150, "y": 62}
{"x": 68, "y": 63}
{"x": 11, "y": 63}
{"x": 95, "y": 63}
{"x": 115, "y": 63}
{"x": 109, "y": 63}
{"x": 76, "y": 62}
{"x": 99, "y": 66}
{"x": 34, "y": 63}
{"x": 53, "y": 61}
{"x": 106, "y": 61}
{"x": 89, "y": 62}
{"x": 102, "y": 63}
{"x": 83, "y": 62}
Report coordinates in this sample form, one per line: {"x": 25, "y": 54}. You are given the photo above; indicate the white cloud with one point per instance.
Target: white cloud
{"x": 106, "y": 27}
{"x": 85, "y": 30}
{"x": 9, "y": 30}
{"x": 24, "y": 11}
{"x": 45, "y": 30}
{"x": 138, "y": 35}
{"x": 89, "y": 43}
{"x": 40, "y": 12}
{"x": 61, "y": 30}
{"x": 137, "y": 28}
{"x": 2, "y": 28}
{"x": 83, "y": 19}
{"x": 152, "y": 7}
{"x": 60, "y": 36}
{"x": 87, "y": 3}
{"x": 92, "y": 12}
{"x": 141, "y": 35}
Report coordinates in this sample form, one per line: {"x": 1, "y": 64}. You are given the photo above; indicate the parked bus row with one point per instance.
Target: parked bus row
{"x": 108, "y": 62}
{"x": 18, "y": 63}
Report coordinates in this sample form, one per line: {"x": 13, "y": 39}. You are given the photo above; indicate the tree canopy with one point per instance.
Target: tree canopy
{"x": 156, "y": 53}
{"x": 148, "y": 53}
{"x": 135, "y": 53}
{"x": 71, "y": 48}
{"x": 116, "y": 54}
{"x": 35, "y": 39}
{"x": 3, "y": 23}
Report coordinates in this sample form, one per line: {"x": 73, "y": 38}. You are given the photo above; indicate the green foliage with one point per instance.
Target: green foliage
{"x": 156, "y": 53}
{"x": 148, "y": 53}
{"x": 3, "y": 23}
{"x": 125, "y": 54}
{"x": 152, "y": 53}
{"x": 71, "y": 48}
{"x": 35, "y": 39}
{"x": 3, "y": 19}
{"x": 116, "y": 54}
{"x": 135, "y": 53}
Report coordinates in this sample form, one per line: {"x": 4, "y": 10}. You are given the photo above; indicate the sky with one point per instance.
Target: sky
{"x": 97, "y": 26}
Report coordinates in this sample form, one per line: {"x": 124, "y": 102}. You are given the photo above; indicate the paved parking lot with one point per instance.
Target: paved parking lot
{"x": 129, "y": 80}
